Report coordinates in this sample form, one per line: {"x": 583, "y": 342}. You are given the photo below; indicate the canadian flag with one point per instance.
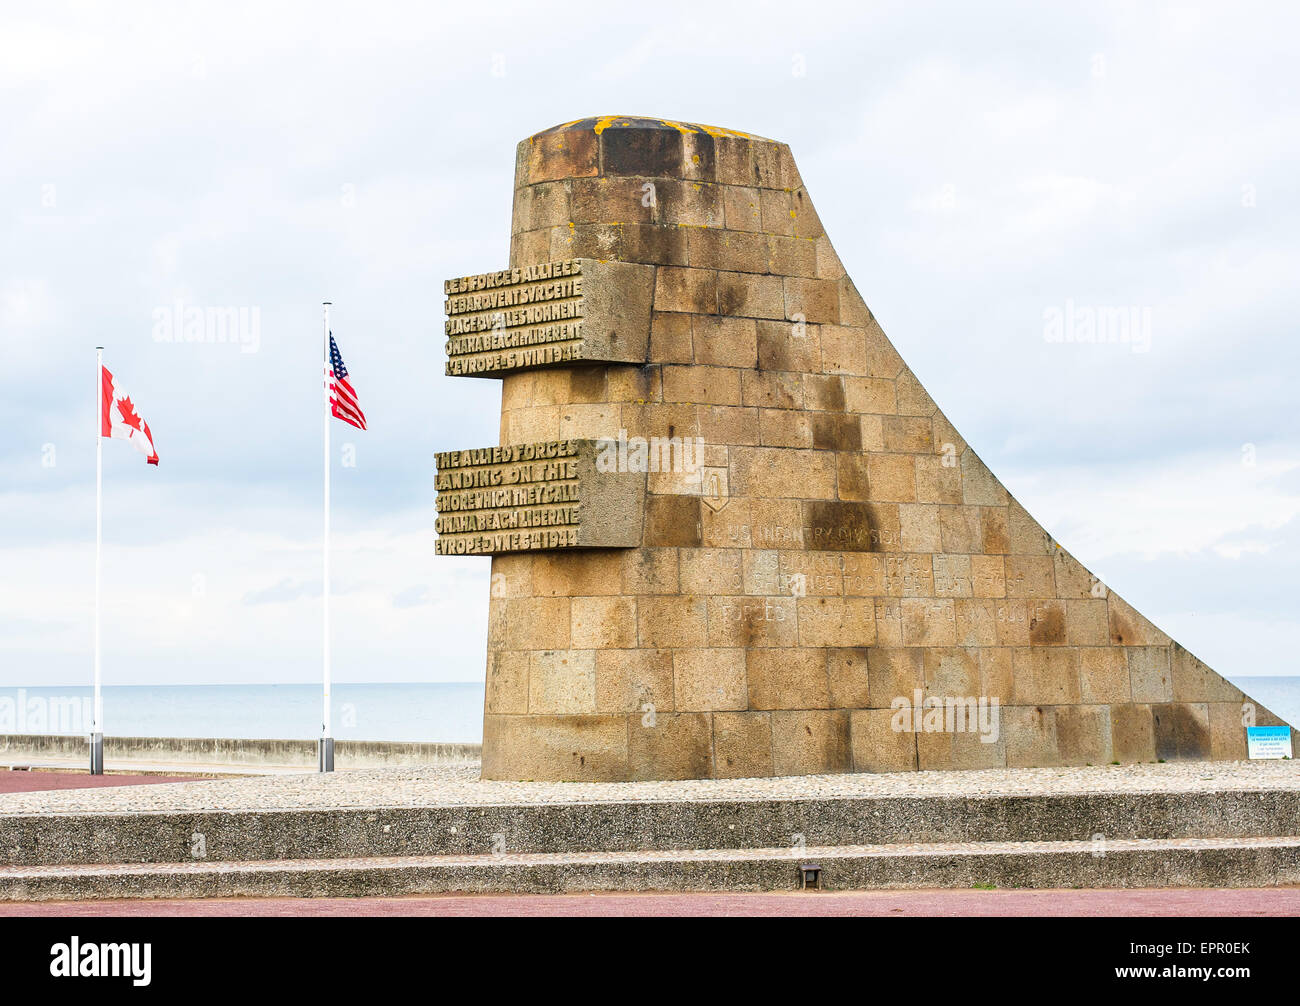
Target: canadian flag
{"x": 119, "y": 419}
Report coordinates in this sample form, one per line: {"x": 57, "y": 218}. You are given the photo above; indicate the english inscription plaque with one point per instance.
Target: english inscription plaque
{"x": 534, "y": 497}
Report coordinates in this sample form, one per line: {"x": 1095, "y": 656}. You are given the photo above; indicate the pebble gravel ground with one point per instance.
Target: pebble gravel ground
{"x": 459, "y": 784}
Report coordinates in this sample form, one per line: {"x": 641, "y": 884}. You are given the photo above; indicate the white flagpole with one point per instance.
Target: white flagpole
{"x": 97, "y": 723}
{"x": 326, "y": 761}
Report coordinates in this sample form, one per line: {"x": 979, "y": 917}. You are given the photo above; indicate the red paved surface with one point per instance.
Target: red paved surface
{"x": 1162, "y": 902}
{"x": 28, "y": 782}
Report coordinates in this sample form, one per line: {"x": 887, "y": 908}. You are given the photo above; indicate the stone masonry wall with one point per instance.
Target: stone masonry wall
{"x": 850, "y": 548}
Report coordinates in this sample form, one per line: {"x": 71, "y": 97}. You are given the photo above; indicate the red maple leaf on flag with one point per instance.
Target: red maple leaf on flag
{"x": 129, "y": 415}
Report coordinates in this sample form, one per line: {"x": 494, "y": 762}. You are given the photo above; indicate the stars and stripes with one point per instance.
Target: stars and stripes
{"x": 343, "y": 397}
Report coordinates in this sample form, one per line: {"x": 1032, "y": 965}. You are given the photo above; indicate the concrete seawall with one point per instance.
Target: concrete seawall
{"x": 217, "y": 751}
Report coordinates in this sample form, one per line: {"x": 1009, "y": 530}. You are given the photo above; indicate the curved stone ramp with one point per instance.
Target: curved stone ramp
{"x": 844, "y": 547}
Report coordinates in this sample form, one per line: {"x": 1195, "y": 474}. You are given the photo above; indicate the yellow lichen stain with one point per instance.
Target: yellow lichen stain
{"x": 604, "y": 122}
{"x": 720, "y": 131}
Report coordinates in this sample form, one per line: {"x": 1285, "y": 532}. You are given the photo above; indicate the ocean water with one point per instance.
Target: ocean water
{"x": 371, "y": 712}
{"x": 374, "y": 712}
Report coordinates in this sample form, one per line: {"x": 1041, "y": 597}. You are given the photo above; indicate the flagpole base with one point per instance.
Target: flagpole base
{"x": 96, "y": 754}
{"x": 325, "y": 752}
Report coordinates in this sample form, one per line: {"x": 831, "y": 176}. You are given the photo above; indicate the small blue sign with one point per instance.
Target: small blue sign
{"x": 1268, "y": 742}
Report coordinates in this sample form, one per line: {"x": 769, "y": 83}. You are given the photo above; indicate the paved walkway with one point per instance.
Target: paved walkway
{"x": 38, "y": 782}
{"x": 143, "y": 766}
{"x": 1284, "y": 901}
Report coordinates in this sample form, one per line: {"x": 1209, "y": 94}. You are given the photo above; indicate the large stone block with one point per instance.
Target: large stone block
{"x": 1227, "y": 731}
{"x": 633, "y": 680}
{"x": 976, "y": 623}
{"x": 810, "y": 742}
{"x": 555, "y": 154}
{"x": 507, "y": 682}
{"x": 1046, "y": 676}
{"x": 603, "y": 622}
{"x": 536, "y": 623}
{"x": 532, "y": 497}
{"x": 1149, "y": 677}
{"x": 963, "y": 749}
{"x": 1132, "y": 733}
{"x": 836, "y": 621}
{"x": 787, "y": 679}
{"x": 1104, "y": 675}
{"x": 847, "y": 672}
{"x": 894, "y": 673}
{"x": 562, "y": 681}
{"x": 1031, "y": 736}
{"x": 559, "y": 748}
{"x": 673, "y": 745}
{"x": 877, "y": 746}
{"x": 1192, "y": 680}
{"x": 1182, "y": 731}
{"x": 742, "y": 745}
{"x": 1083, "y": 734}
{"x": 1129, "y": 627}
{"x": 709, "y": 679}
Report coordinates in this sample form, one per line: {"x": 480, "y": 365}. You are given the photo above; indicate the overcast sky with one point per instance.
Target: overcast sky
{"x": 978, "y": 167}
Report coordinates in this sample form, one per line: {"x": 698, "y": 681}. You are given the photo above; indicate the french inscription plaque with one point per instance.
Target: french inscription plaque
{"x": 550, "y": 314}
{"x": 534, "y": 497}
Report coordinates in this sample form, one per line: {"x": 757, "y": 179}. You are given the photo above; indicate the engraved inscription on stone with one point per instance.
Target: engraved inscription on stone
{"x": 550, "y": 314}
{"x": 534, "y": 497}
{"x": 508, "y": 499}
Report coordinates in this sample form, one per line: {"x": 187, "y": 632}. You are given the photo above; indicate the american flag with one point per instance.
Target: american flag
{"x": 343, "y": 397}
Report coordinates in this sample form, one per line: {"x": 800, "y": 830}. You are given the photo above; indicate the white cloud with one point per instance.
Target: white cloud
{"x": 242, "y": 605}
{"x": 1171, "y": 506}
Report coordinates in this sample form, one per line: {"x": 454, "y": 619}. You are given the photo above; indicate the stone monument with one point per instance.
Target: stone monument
{"x": 731, "y": 533}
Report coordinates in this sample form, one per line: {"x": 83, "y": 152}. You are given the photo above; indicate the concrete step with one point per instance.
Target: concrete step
{"x": 141, "y": 836}
{"x": 1119, "y": 863}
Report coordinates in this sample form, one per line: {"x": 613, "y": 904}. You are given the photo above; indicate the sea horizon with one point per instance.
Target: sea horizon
{"x": 447, "y": 712}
